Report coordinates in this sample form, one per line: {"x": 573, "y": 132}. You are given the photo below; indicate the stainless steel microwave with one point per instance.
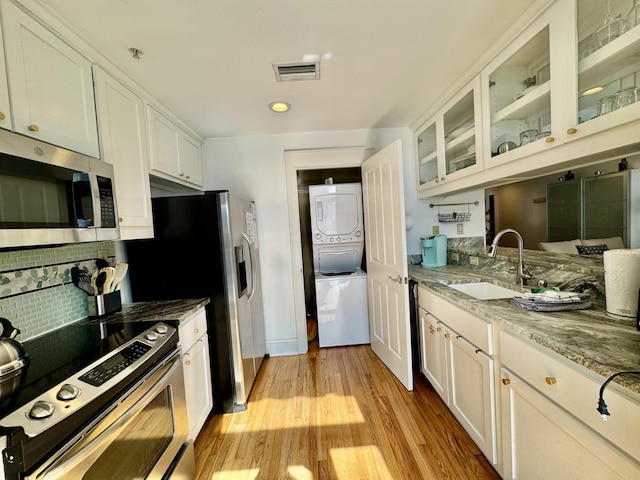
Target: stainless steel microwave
{"x": 49, "y": 195}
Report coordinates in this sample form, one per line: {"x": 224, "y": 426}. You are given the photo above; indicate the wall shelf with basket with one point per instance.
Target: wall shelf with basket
{"x": 454, "y": 216}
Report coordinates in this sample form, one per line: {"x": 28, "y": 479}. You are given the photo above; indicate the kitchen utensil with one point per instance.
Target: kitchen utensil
{"x": 110, "y": 275}
{"x": 627, "y": 96}
{"x": 506, "y": 146}
{"x": 611, "y": 29}
{"x": 13, "y": 360}
{"x": 121, "y": 272}
{"x": 94, "y": 277}
{"x": 100, "y": 279}
{"x": 528, "y": 136}
{"x": 81, "y": 280}
{"x": 101, "y": 263}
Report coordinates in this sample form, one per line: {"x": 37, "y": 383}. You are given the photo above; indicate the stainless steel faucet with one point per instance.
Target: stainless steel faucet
{"x": 522, "y": 275}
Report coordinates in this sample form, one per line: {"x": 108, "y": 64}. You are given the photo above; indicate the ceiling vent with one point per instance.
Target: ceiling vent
{"x": 289, "y": 72}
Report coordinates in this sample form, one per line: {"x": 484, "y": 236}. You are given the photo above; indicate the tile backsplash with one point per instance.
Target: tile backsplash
{"x": 36, "y": 292}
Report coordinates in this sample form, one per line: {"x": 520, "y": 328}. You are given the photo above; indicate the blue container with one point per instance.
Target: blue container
{"x": 434, "y": 251}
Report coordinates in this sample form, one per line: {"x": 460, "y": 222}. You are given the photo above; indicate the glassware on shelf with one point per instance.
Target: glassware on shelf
{"x": 627, "y": 96}
{"x": 607, "y": 105}
{"x": 633, "y": 17}
{"x": 611, "y": 29}
{"x": 528, "y": 136}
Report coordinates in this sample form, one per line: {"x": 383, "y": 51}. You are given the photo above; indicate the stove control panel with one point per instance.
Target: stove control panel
{"x": 88, "y": 384}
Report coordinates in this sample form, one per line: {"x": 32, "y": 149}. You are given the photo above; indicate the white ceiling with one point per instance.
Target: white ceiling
{"x": 383, "y": 62}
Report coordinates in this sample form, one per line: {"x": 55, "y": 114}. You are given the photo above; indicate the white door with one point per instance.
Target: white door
{"x": 388, "y": 289}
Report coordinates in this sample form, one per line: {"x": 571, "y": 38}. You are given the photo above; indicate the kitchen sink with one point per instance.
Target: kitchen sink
{"x": 485, "y": 290}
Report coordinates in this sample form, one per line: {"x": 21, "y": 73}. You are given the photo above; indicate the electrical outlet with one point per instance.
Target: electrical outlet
{"x": 102, "y": 253}
{"x": 474, "y": 261}
{"x": 460, "y": 228}
{"x": 435, "y": 230}
{"x": 455, "y": 257}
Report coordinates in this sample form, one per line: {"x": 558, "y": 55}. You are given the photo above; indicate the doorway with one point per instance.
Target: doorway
{"x": 312, "y": 166}
{"x": 306, "y": 178}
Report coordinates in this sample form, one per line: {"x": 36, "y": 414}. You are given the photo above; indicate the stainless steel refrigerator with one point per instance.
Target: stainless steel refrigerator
{"x": 206, "y": 245}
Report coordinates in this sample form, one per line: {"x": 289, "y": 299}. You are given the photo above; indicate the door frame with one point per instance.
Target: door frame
{"x": 319, "y": 159}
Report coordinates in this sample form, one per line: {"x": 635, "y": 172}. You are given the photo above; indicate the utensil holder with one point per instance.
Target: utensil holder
{"x": 100, "y": 305}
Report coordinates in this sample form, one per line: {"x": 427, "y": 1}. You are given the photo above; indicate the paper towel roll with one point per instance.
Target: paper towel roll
{"x": 622, "y": 281}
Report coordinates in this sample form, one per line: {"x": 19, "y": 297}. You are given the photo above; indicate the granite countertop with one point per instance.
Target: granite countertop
{"x": 156, "y": 311}
{"x": 591, "y": 338}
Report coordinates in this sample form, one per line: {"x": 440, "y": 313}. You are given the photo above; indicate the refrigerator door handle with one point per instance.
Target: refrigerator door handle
{"x": 251, "y": 263}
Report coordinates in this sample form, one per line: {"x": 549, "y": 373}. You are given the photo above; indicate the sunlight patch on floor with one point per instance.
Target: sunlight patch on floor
{"x": 299, "y": 472}
{"x": 337, "y": 410}
{"x": 348, "y": 462}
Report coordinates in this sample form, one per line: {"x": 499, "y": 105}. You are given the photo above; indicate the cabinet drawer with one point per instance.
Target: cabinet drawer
{"x": 192, "y": 328}
{"x": 476, "y": 330}
{"x": 576, "y": 389}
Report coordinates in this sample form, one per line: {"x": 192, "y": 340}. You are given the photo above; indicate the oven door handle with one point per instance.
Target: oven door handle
{"x": 93, "y": 442}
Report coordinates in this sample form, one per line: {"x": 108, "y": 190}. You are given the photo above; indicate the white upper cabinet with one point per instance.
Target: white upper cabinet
{"x": 175, "y": 155}
{"x": 607, "y": 45}
{"x": 449, "y": 145}
{"x": 50, "y": 85}
{"x": 123, "y": 135}
{"x": 520, "y": 88}
{"x": 5, "y": 111}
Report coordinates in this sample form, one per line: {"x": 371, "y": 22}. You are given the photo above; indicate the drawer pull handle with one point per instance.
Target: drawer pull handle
{"x": 33, "y": 128}
{"x": 506, "y": 381}
{"x": 550, "y": 380}
{"x": 458, "y": 337}
{"x": 478, "y": 350}
{"x": 572, "y": 131}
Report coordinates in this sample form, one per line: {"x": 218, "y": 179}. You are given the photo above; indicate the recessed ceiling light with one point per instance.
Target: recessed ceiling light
{"x": 279, "y": 107}
{"x": 591, "y": 91}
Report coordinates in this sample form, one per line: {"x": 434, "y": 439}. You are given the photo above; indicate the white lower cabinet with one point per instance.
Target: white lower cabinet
{"x": 472, "y": 394}
{"x": 460, "y": 372}
{"x": 197, "y": 370}
{"x": 543, "y": 441}
{"x": 433, "y": 358}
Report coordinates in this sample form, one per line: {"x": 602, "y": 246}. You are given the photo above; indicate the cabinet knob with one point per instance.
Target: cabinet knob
{"x": 182, "y": 174}
{"x": 188, "y": 176}
{"x": 550, "y": 380}
{"x": 187, "y": 362}
{"x": 33, "y": 128}
{"x": 447, "y": 335}
{"x": 442, "y": 179}
{"x": 439, "y": 329}
{"x": 437, "y": 181}
{"x": 2, "y": 117}
{"x": 549, "y": 139}
{"x": 572, "y": 131}
{"x": 120, "y": 219}
{"x": 506, "y": 381}
{"x": 195, "y": 330}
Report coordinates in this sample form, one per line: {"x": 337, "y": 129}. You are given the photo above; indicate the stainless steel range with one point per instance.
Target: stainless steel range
{"x": 99, "y": 401}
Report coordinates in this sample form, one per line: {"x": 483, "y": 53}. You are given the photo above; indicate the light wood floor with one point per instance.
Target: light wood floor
{"x": 337, "y": 413}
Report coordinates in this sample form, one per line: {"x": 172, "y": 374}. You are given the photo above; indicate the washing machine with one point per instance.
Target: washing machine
{"x": 343, "y": 313}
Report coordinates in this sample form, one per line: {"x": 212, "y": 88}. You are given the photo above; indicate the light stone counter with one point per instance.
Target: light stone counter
{"x": 592, "y": 338}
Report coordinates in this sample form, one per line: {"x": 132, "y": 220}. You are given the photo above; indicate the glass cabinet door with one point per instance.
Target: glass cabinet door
{"x": 608, "y": 56}
{"x": 520, "y": 96}
{"x": 428, "y": 155}
{"x": 459, "y": 135}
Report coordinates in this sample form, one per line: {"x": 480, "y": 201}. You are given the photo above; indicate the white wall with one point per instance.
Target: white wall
{"x": 253, "y": 167}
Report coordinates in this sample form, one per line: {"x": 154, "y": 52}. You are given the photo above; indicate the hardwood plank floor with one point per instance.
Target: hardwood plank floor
{"x": 337, "y": 413}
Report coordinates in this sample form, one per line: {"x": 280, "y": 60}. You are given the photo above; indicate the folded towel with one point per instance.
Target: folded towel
{"x": 544, "y": 306}
{"x": 550, "y": 296}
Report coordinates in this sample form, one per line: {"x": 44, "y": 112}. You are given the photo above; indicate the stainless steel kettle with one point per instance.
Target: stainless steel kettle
{"x": 13, "y": 360}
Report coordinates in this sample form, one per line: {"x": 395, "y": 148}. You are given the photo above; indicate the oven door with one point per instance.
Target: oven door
{"x": 143, "y": 436}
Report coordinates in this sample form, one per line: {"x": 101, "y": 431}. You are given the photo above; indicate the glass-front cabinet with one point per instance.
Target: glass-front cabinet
{"x": 448, "y": 143}
{"x": 520, "y": 113}
{"x": 608, "y": 49}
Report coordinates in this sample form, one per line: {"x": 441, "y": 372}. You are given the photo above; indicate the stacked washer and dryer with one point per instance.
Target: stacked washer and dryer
{"x": 337, "y": 231}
